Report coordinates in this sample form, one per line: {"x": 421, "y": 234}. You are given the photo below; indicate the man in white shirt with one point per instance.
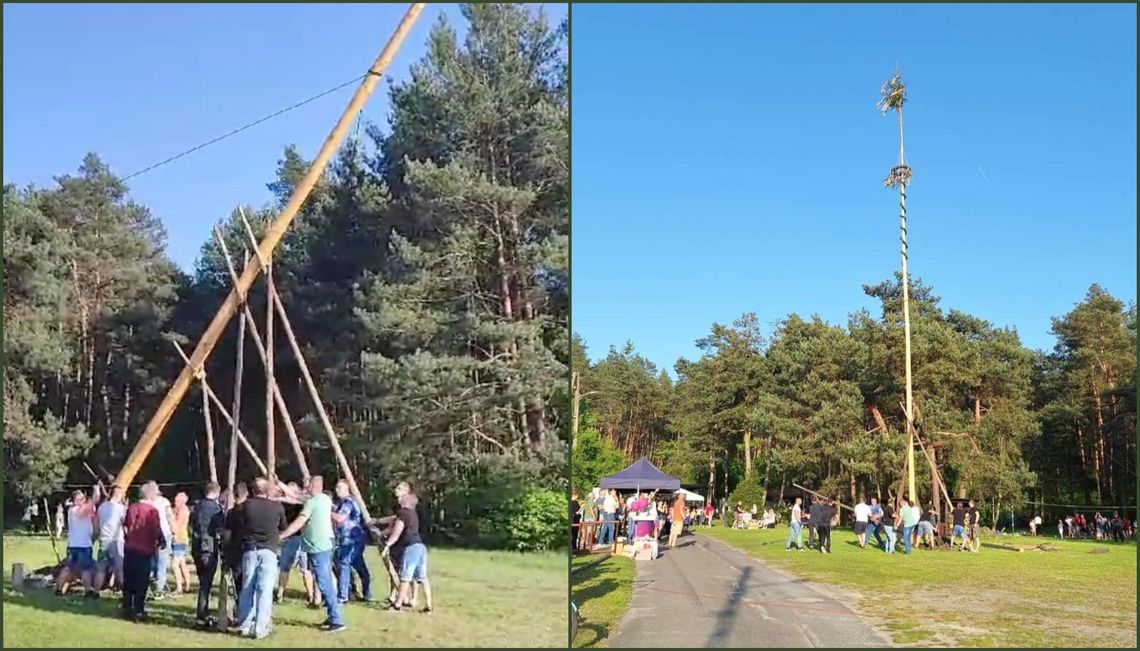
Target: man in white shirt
{"x": 80, "y": 539}
{"x": 795, "y": 527}
{"x": 110, "y": 518}
{"x": 862, "y": 516}
{"x": 162, "y": 559}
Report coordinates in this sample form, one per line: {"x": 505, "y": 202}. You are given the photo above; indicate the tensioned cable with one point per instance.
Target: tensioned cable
{"x": 245, "y": 127}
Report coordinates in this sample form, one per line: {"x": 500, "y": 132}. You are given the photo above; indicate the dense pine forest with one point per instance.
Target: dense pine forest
{"x": 426, "y": 278}
{"x": 820, "y": 404}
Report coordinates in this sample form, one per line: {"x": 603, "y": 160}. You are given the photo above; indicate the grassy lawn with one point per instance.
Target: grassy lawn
{"x": 482, "y": 599}
{"x": 996, "y": 597}
{"x": 602, "y": 592}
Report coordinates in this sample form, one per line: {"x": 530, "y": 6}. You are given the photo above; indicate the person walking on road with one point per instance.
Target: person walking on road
{"x": 678, "y": 522}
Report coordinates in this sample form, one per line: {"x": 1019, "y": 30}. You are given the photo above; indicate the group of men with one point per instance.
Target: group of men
{"x": 250, "y": 535}
{"x": 909, "y": 523}
{"x": 819, "y": 518}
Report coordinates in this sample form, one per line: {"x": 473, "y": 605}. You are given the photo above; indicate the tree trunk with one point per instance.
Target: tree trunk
{"x": 977, "y": 409}
{"x": 576, "y": 391}
{"x": 748, "y": 454}
{"x": 712, "y": 480}
{"x": 783, "y": 485}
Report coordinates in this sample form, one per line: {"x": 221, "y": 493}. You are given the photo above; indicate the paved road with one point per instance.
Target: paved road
{"x": 706, "y": 594}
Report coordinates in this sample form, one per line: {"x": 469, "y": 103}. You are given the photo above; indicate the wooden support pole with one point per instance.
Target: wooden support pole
{"x": 320, "y": 407}
{"x": 820, "y": 495}
{"x": 211, "y": 459}
{"x": 270, "y": 381}
{"x": 273, "y": 235}
{"x": 226, "y": 415}
{"x": 239, "y": 374}
{"x": 278, "y": 399}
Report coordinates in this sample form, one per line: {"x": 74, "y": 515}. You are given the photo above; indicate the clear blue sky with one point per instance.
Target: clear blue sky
{"x": 137, "y": 83}
{"x": 730, "y": 159}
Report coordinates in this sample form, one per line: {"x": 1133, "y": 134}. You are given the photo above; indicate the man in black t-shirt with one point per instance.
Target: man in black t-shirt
{"x": 958, "y": 517}
{"x": 813, "y": 522}
{"x": 231, "y": 540}
{"x": 826, "y": 513}
{"x": 888, "y": 524}
{"x": 260, "y": 525}
{"x": 406, "y": 537}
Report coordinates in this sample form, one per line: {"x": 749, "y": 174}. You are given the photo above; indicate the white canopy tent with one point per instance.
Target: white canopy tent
{"x": 690, "y": 496}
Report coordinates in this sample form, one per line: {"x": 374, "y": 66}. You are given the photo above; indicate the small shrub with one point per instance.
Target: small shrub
{"x": 540, "y": 522}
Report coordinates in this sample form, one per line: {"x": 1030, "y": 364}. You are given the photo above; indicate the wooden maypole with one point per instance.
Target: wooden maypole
{"x": 893, "y": 98}
{"x": 273, "y": 235}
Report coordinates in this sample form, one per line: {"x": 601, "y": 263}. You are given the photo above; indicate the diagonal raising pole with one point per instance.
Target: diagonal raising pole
{"x": 273, "y": 235}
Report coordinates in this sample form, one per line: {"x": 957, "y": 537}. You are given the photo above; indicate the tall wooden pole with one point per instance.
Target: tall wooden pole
{"x": 278, "y": 399}
{"x": 273, "y": 235}
{"x": 213, "y": 463}
{"x": 320, "y": 407}
{"x": 894, "y": 96}
{"x": 238, "y": 373}
{"x": 270, "y": 429}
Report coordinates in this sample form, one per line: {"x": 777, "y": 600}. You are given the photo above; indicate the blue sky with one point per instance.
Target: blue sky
{"x": 137, "y": 83}
{"x": 730, "y": 159}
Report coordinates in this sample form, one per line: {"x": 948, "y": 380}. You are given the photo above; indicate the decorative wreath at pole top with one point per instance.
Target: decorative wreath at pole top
{"x": 894, "y": 94}
{"x": 900, "y": 175}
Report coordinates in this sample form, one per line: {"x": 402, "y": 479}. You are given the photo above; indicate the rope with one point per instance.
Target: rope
{"x": 244, "y": 127}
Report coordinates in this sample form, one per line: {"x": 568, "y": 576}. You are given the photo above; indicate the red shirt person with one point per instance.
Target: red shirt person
{"x": 141, "y": 541}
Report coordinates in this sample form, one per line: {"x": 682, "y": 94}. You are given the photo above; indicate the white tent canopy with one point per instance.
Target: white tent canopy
{"x": 689, "y": 495}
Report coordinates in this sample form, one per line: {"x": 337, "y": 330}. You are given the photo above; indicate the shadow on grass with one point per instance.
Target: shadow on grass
{"x": 159, "y": 614}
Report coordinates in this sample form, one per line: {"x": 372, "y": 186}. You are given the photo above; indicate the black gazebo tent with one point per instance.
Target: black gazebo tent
{"x": 641, "y": 475}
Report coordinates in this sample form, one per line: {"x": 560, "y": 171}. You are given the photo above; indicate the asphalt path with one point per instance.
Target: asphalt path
{"x": 706, "y": 594}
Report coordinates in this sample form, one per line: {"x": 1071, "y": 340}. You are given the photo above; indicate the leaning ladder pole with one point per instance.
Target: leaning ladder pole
{"x": 273, "y": 235}
{"x": 894, "y": 96}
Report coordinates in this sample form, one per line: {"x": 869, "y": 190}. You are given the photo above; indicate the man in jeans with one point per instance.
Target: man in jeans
{"x": 261, "y": 522}
{"x": 351, "y": 539}
{"x": 888, "y": 524}
{"x": 909, "y": 521}
{"x": 795, "y": 527}
{"x": 875, "y": 523}
{"x": 609, "y": 517}
{"x": 316, "y": 527}
{"x": 206, "y": 522}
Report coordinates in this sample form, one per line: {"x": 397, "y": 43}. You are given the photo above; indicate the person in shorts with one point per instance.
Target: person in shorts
{"x": 180, "y": 547}
{"x": 862, "y": 517}
{"x": 292, "y": 554}
{"x": 958, "y": 517}
{"x": 413, "y": 555}
{"x": 80, "y": 540}
{"x": 110, "y": 515}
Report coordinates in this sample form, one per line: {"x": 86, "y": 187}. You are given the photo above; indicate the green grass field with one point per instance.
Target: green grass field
{"x": 602, "y": 591}
{"x": 996, "y": 597}
{"x": 482, "y": 599}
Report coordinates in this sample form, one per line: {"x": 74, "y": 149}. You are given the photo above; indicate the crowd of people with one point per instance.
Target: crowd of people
{"x": 902, "y": 522}
{"x": 257, "y": 534}
{"x": 603, "y": 515}
{"x": 1100, "y": 527}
